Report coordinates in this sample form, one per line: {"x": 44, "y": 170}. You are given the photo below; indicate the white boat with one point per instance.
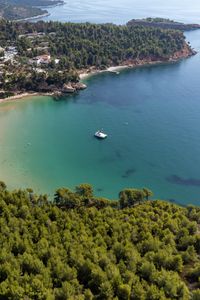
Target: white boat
{"x": 100, "y": 134}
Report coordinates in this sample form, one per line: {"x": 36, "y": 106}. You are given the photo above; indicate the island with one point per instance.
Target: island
{"x": 51, "y": 57}
{"x": 163, "y": 23}
{"x": 79, "y": 246}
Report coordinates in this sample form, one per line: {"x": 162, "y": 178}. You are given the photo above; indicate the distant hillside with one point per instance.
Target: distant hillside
{"x": 35, "y": 2}
{"x": 16, "y": 12}
{"x": 163, "y": 23}
{"x": 23, "y": 9}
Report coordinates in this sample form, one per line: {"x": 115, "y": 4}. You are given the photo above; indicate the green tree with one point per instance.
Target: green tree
{"x": 147, "y": 193}
{"x": 2, "y": 186}
{"x": 130, "y": 197}
{"x": 66, "y": 198}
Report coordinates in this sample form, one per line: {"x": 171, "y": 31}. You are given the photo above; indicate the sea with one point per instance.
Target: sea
{"x": 151, "y": 115}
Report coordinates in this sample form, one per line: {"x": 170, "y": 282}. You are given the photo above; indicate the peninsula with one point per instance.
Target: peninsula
{"x": 25, "y": 9}
{"x": 49, "y": 57}
{"x": 163, "y": 23}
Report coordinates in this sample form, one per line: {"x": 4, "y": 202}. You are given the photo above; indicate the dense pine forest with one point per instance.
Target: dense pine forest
{"x": 90, "y": 44}
{"x": 49, "y": 55}
{"x": 82, "y": 247}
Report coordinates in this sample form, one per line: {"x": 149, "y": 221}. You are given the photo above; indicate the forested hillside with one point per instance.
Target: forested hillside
{"x": 50, "y": 55}
{"x": 82, "y": 247}
{"x": 101, "y": 45}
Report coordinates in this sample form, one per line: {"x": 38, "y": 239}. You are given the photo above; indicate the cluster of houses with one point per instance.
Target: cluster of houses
{"x": 9, "y": 53}
{"x": 32, "y": 35}
{"x": 41, "y": 59}
{"x": 44, "y": 59}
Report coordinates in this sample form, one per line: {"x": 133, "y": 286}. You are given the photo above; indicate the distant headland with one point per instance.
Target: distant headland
{"x": 163, "y": 23}
{"x": 25, "y": 9}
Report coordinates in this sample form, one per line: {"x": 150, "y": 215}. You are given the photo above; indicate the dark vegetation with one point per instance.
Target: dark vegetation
{"x": 17, "y": 12}
{"x": 83, "y": 247}
{"x": 36, "y": 2}
{"x": 79, "y": 46}
{"x": 22, "y": 9}
{"x": 87, "y": 44}
{"x": 183, "y": 181}
{"x": 163, "y": 23}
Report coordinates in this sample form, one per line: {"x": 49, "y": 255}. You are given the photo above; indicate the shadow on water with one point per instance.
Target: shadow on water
{"x": 152, "y": 165}
{"x": 174, "y": 179}
{"x": 107, "y": 159}
{"x": 128, "y": 173}
{"x": 65, "y": 97}
{"x": 99, "y": 190}
{"x": 118, "y": 154}
{"x": 174, "y": 201}
{"x": 137, "y": 111}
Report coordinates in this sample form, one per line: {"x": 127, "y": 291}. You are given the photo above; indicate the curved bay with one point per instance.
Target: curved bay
{"x": 151, "y": 115}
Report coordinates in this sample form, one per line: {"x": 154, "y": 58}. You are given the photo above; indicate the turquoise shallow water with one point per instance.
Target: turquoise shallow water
{"x": 152, "y": 117}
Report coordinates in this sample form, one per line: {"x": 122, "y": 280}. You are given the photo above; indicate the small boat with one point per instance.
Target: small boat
{"x": 100, "y": 134}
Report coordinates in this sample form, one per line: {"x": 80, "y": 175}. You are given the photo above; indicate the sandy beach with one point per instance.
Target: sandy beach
{"x": 114, "y": 69}
{"x": 135, "y": 64}
{"x": 24, "y": 95}
{"x": 88, "y": 73}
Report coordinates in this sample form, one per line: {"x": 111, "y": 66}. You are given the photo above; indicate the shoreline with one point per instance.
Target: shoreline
{"x": 47, "y": 14}
{"x": 84, "y": 74}
{"x": 116, "y": 69}
{"x": 113, "y": 69}
{"x": 24, "y": 95}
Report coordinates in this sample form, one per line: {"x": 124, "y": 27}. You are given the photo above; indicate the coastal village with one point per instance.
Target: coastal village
{"x": 50, "y": 58}
{"x": 12, "y": 63}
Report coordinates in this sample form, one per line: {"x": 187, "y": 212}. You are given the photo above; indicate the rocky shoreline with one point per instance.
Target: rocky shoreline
{"x": 73, "y": 87}
{"x": 69, "y": 88}
{"x": 186, "y": 52}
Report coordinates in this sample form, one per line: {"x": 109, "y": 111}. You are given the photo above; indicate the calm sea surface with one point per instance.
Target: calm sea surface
{"x": 120, "y": 11}
{"x": 151, "y": 114}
